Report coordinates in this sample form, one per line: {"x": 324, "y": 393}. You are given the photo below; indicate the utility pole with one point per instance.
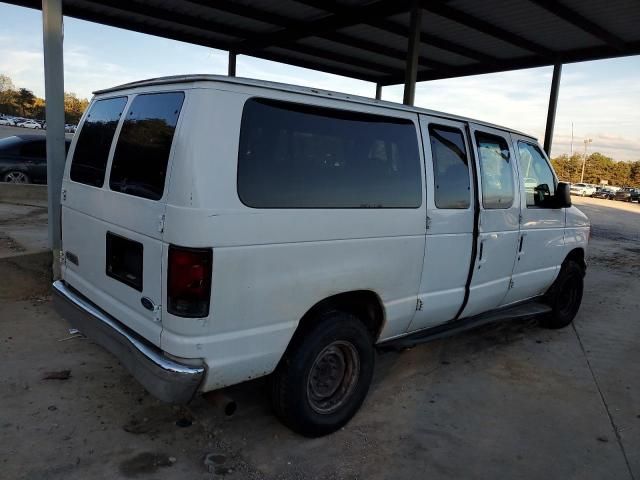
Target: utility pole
{"x": 587, "y": 141}
{"x": 571, "y": 155}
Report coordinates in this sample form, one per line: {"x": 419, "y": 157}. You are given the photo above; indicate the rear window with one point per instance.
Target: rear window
{"x": 301, "y": 156}
{"x": 450, "y": 167}
{"x": 92, "y": 149}
{"x": 496, "y": 174}
{"x": 142, "y": 152}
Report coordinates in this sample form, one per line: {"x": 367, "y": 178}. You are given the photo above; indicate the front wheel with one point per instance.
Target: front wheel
{"x": 324, "y": 376}
{"x": 16, "y": 177}
{"x": 564, "y": 296}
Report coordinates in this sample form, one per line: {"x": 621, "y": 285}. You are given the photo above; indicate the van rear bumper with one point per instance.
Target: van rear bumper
{"x": 164, "y": 378}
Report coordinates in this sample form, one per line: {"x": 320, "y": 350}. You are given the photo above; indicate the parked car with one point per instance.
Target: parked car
{"x": 217, "y": 230}
{"x": 70, "y": 128}
{"x": 628, "y": 194}
{"x": 604, "y": 193}
{"x": 30, "y": 124}
{"x": 23, "y": 159}
{"x": 582, "y": 189}
{"x": 7, "y": 121}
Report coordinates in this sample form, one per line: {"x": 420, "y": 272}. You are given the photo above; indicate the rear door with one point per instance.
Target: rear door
{"x": 450, "y": 221}
{"x": 498, "y": 221}
{"x": 113, "y": 201}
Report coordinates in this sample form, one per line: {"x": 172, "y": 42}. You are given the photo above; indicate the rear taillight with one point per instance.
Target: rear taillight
{"x": 189, "y": 281}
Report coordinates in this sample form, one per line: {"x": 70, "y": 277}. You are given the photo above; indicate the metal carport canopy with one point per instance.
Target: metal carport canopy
{"x": 382, "y": 41}
{"x": 367, "y": 39}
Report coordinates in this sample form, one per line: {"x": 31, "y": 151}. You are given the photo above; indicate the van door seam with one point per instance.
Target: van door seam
{"x": 476, "y": 222}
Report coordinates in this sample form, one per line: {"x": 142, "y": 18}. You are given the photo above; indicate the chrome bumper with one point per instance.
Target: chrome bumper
{"x": 164, "y": 378}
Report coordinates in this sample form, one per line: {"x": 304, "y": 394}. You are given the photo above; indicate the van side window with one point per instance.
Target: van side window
{"x": 495, "y": 171}
{"x": 302, "y": 156}
{"x": 539, "y": 182}
{"x": 450, "y": 167}
{"x": 94, "y": 141}
{"x": 142, "y": 152}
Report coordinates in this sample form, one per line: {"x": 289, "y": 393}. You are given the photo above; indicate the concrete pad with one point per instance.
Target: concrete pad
{"x": 23, "y": 229}
{"x": 20, "y": 194}
{"x": 509, "y": 401}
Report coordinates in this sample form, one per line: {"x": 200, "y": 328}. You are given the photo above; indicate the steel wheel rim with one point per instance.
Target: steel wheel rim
{"x": 333, "y": 377}
{"x": 15, "y": 177}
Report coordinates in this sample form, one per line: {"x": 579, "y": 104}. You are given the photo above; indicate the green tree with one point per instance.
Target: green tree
{"x": 74, "y": 107}
{"x": 26, "y": 99}
{"x": 7, "y": 95}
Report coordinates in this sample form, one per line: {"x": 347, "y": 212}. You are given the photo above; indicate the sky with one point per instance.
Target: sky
{"x": 601, "y": 99}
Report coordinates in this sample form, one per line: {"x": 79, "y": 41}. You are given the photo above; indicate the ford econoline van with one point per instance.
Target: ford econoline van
{"x": 217, "y": 229}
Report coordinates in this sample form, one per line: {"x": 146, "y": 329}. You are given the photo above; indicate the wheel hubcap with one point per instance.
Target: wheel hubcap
{"x": 333, "y": 377}
{"x": 15, "y": 177}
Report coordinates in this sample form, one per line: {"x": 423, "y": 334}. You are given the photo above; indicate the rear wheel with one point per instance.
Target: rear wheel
{"x": 565, "y": 295}
{"x": 324, "y": 376}
{"x": 16, "y": 177}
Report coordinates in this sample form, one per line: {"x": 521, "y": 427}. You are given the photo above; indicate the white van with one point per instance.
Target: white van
{"x": 217, "y": 230}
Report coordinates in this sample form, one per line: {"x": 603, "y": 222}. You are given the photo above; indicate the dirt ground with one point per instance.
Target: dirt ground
{"x": 505, "y": 401}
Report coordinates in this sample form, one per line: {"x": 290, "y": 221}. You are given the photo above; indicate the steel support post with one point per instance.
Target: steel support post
{"x": 52, "y": 36}
{"x": 413, "y": 50}
{"x": 232, "y": 64}
{"x": 553, "y": 104}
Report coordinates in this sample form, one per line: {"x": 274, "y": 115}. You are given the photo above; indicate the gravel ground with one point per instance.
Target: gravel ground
{"x": 503, "y": 401}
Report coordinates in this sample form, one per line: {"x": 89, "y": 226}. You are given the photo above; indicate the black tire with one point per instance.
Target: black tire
{"x": 565, "y": 296}
{"x": 309, "y": 366}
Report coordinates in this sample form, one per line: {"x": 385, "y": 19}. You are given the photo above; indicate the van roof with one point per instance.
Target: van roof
{"x": 311, "y": 91}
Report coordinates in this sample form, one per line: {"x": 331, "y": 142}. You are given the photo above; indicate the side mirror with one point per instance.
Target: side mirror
{"x": 562, "y": 196}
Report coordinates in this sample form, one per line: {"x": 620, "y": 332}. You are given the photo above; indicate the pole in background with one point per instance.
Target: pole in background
{"x": 587, "y": 141}
{"x": 411, "y": 66}
{"x": 52, "y": 37}
{"x": 232, "y": 64}
{"x": 553, "y": 105}
{"x": 571, "y": 140}
{"x": 378, "y": 91}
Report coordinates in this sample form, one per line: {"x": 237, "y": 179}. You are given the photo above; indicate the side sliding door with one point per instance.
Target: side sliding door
{"x": 450, "y": 221}
{"x": 498, "y": 223}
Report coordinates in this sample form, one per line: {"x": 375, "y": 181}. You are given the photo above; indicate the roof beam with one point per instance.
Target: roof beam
{"x": 328, "y": 23}
{"x": 574, "y": 18}
{"x": 428, "y": 39}
{"x": 282, "y": 21}
{"x": 395, "y": 28}
{"x": 163, "y": 32}
{"x": 245, "y": 11}
{"x": 170, "y": 16}
{"x": 579, "y": 55}
{"x": 200, "y": 23}
{"x": 347, "y": 59}
{"x": 385, "y": 50}
{"x": 458, "y": 16}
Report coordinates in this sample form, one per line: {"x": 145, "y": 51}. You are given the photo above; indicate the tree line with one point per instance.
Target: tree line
{"x": 597, "y": 167}
{"x": 23, "y": 103}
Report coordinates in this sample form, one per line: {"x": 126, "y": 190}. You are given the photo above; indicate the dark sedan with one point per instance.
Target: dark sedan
{"x": 23, "y": 159}
{"x": 604, "y": 193}
{"x": 628, "y": 195}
